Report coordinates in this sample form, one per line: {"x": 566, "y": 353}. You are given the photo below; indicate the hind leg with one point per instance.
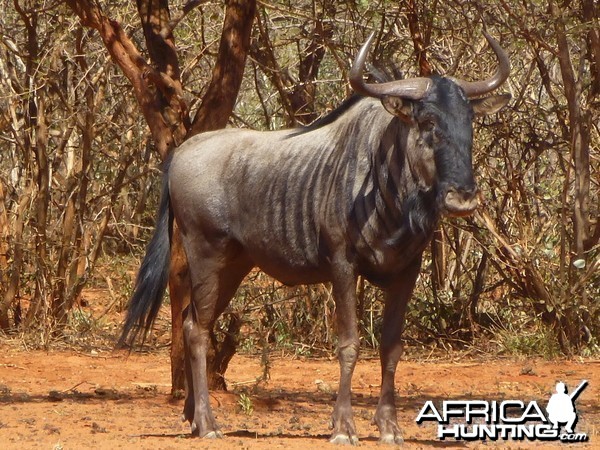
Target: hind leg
{"x": 214, "y": 282}
{"x": 197, "y": 410}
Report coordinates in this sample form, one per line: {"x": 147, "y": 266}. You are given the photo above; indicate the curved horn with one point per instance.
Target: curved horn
{"x": 412, "y": 88}
{"x": 477, "y": 88}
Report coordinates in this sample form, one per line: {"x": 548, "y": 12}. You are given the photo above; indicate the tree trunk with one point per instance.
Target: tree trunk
{"x": 215, "y": 109}
{"x": 420, "y": 39}
{"x": 579, "y": 127}
{"x": 180, "y": 293}
{"x": 4, "y": 248}
{"x": 219, "y": 100}
{"x": 158, "y": 90}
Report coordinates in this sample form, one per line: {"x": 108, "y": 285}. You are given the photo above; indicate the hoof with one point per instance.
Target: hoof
{"x": 213, "y": 435}
{"x": 391, "y": 439}
{"x": 344, "y": 439}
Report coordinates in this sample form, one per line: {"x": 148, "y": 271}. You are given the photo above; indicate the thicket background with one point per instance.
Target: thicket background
{"x": 79, "y": 177}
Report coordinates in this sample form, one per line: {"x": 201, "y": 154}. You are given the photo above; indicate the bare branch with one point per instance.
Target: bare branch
{"x": 187, "y": 8}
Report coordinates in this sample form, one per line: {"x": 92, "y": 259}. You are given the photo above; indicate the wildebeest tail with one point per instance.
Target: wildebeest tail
{"x": 153, "y": 276}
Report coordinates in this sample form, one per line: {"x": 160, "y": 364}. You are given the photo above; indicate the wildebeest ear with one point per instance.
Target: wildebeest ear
{"x": 398, "y": 107}
{"x": 490, "y": 105}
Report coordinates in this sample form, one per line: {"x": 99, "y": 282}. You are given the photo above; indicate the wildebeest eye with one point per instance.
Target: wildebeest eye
{"x": 428, "y": 125}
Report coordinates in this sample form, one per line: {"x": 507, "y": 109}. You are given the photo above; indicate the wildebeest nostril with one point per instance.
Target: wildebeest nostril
{"x": 472, "y": 191}
{"x": 465, "y": 193}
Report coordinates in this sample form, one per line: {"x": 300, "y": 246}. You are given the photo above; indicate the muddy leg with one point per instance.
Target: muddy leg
{"x": 390, "y": 351}
{"x": 344, "y": 294}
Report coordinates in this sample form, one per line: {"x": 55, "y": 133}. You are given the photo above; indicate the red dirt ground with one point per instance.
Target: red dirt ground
{"x": 111, "y": 400}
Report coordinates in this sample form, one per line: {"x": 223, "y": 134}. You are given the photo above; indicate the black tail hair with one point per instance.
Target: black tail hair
{"x": 153, "y": 277}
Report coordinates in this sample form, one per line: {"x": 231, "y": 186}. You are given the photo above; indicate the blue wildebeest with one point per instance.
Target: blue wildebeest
{"x": 357, "y": 193}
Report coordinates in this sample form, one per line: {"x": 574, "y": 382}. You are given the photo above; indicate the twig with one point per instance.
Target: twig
{"x": 73, "y": 388}
{"x": 188, "y": 7}
{"x": 243, "y": 383}
{"x": 12, "y": 366}
{"x": 113, "y": 297}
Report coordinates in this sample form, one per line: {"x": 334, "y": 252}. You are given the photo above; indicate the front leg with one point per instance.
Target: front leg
{"x": 397, "y": 297}
{"x": 344, "y": 295}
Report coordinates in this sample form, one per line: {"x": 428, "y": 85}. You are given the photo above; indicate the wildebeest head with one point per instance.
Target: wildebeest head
{"x": 440, "y": 113}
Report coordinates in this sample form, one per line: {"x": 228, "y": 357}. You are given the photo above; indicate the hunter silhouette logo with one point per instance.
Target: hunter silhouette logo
{"x": 508, "y": 419}
{"x": 561, "y": 407}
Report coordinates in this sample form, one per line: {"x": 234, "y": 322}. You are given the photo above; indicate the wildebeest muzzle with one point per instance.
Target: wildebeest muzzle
{"x": 460, "y": 202}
